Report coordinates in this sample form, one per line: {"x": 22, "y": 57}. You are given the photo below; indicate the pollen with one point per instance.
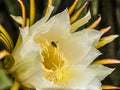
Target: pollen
{"x": 55, "y": 65}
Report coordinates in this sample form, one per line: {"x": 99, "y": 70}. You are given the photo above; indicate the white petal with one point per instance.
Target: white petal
{"x": 101, "y": 71}
{"x": 38, "y": 82}
{"x": 24, "y": 32}
{"x": 36, "y": 27}
{"x": 25, "y": 69}
{"x": 79, "y": 45}
{"x": 81, "y": 78}
{"x": 57, "y": 28}
{"x": 94, "y": 36}
{"x": 90, "y": 57}
{"x": 95, "y": 84}
{"x": 26, "y": 50}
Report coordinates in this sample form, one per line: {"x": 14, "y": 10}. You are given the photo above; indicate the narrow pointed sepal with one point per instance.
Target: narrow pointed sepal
{"x": 80, "y": 22}
{"x": 105, "y": 40}
{"x": 76, "y": 15}
{"x": 32, "y": 11}
{"x": 104, "y": 30}
{"x": 95, "y": 23}
{"x": 15, "y": 86}
{"x": 50, "y": 2}
{"x": 110, "y": 87}
{"x": 71, "y": 9}
{"x": 107, "y": 61}
{"x": 6, "y": 39}
{"x": 23, "y": 12}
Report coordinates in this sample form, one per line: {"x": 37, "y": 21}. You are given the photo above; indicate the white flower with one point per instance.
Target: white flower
{"x": 57, "y": 59}
{"x": 66, "y": 57}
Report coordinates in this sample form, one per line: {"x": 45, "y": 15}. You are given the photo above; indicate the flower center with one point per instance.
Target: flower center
{"x": 55, "y": 65}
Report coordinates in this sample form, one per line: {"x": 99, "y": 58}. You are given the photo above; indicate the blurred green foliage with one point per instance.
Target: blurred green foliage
{"x": 5, "y": 82}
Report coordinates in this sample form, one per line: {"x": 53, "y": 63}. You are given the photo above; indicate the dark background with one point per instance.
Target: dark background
{"x": 108, "y": 9}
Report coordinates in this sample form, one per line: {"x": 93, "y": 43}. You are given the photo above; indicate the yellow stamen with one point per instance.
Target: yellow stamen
{"x": 105, "y": 40}
{"x": 51, "y": 55}
{"x": 95, "y": 23}
{"x": 32, "y": 11}
{"x": 6, "y": 39}
{"x": 23, "y": 12}
{"x": 109, "y": 87}
{"x": 15, "y": 86}
{"x": 71, "y": 9}
{"x": 50, "y": 2}
{"x": 54, "y": 64}
{"x": 107, "y": 61}
{"x": 104, "y": 30}
{"x": 76, "y": 15}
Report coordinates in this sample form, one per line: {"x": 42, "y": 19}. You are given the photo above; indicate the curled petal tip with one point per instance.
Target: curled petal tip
{"x": 3, "y": 54}
{"x": 8, "y": 62}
